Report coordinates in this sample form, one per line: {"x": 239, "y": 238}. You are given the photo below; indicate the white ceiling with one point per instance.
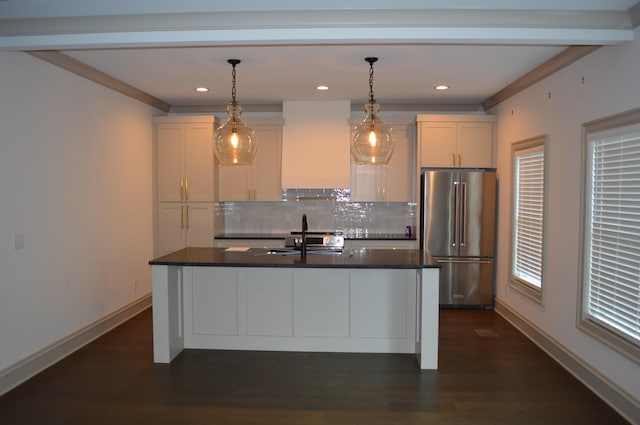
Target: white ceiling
{"x": 287, "y": 48}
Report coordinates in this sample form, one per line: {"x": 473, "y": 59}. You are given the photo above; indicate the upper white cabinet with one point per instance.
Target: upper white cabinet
{"x": 456, "y": 140}
{"x": 184, "y": 158}
{"x": 394, "y": 181}
{"x": 261, "y": 180}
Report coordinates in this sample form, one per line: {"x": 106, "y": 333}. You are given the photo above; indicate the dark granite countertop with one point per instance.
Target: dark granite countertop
{"x": 367, "y": 237}
{"x": 259, "y": 257}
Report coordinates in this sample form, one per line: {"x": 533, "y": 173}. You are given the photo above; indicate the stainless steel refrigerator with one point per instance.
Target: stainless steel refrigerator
{"x": 457, "y": 223}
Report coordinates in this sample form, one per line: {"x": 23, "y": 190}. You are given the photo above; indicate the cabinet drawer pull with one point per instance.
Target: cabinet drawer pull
{"x": 186, "y": 189}
{"x": 182, "y": 189}
{"x": 182, "y": 216}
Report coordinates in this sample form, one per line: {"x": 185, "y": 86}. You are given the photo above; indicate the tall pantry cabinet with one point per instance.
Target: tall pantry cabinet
{"x": 184, "y": 182}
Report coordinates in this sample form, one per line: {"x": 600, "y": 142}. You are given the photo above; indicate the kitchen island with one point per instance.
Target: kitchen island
{"x": 365, "y": 300}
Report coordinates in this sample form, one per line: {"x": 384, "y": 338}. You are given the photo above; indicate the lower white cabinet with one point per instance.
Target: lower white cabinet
{"x": 358, "y": 310}
{"x": 183, "y": 224}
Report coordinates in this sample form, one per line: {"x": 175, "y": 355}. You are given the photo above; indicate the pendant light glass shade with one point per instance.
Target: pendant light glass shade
{"x": 371, "y": 141}
{"x": 234, "y": 142}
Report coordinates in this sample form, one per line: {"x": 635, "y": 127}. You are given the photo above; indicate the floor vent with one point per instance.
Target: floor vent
{"x": 486, "y": 333}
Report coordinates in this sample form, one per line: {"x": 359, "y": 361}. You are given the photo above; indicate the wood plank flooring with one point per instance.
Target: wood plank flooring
{"x": 489, "y": 374}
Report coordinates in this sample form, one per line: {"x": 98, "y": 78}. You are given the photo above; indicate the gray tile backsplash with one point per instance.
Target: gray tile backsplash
{"x": 326, "y": 209}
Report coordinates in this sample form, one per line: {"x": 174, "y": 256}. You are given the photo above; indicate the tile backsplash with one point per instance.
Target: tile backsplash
{"x": 326, "y": 209}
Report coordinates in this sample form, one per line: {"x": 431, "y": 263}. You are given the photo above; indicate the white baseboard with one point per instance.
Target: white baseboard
{"x": 28, "y": 367}
{"x": 620, "y": 400}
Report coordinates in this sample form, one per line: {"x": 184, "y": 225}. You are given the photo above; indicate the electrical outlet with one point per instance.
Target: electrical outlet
{"x": 18, "y": 240}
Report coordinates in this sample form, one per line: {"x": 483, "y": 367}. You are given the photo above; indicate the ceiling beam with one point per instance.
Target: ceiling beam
{"x": 95, "y": 75}
{"x": 556, "y": 63}
{"x": 511, "y": 27}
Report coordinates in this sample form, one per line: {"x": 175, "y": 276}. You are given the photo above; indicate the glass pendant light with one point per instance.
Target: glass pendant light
{"x": 234, "y": 142}
{"x": 371, "y": 141}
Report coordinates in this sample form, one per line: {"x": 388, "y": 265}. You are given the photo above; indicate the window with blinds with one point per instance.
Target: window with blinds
{"x": 611, "y": 238}
{"x": 527, "y": 233}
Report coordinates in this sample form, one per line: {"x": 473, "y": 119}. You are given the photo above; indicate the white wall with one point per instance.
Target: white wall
{"x": 611, "y": 85}
{"x": 76, "y": 181}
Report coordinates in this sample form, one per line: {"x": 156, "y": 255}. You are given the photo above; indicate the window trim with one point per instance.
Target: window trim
{"x": 526, "y": 288}
{"x": 592, "y": 327}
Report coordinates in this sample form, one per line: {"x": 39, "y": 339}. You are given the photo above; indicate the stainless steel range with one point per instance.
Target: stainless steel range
{"x": 316, "y": 241}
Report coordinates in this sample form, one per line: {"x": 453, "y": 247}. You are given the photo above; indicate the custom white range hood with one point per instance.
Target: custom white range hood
{"x": 315, "y": 145}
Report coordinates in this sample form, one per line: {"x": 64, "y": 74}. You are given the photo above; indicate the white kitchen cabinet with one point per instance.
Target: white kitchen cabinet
{"x": 392, "y": 182}
{"x": 184, "y": 182}
{"x": 179, "y": 225}
{"x": 465, "y": 141}
{"x": 184, "y": 160}
{"x": 261, "y": 180}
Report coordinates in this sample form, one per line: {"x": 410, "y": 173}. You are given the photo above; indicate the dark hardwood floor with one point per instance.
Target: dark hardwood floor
{"x": 489, "y": 374}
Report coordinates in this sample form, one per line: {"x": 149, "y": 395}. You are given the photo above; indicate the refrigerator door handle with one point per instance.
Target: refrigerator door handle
{"x": 456, "y": 213}
{"x": 463, "y": 214}
{"x": 461, "y": 261}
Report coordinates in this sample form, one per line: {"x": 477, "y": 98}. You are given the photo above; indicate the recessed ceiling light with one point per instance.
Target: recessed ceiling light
{"x": 441, "y": 87}
{"x": 202, "y": 89}
{"x": 322, "y": 88}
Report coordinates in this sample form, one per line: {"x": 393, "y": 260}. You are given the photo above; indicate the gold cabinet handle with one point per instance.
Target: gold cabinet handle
{"x": 182, "y": 189}
{"x": 453, "y": 159}
{"x": 255, "y": 194}
{"x": 186, "y": 189}
{"x": 182, "y": 216}
{"x": 187, "y": 207}
{"x": 459, "y": 160}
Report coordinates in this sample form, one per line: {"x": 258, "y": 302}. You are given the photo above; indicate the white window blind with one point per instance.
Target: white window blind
{"x": 529, "y": 216}
{"x": 612, "y": 263}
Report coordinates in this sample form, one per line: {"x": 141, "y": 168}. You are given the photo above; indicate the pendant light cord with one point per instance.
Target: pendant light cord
{"x": 371, "y": 61}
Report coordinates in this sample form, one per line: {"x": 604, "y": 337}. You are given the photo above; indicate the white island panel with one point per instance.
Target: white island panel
{"x": 380, "y": 304}
{"x": 269, "y": 302}
{"x": 322, "y": 303}
{"x": 215, "y": 301}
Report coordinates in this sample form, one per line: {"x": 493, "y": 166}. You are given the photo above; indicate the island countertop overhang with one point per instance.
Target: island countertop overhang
{"x": 260, "y": 257}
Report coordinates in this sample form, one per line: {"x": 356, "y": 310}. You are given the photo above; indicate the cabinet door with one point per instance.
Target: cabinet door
{"x": 438, "y": 144}
{"x": 261, "y": 180}
{"x": 198, "y": 162}
{"x": 392, "y": 182}
{"x": 169, "y": 162}
{"x": 234, "y": 182}
{"x": 267, "y": 183}
{"x": 170, "y": 234}
{"x": 198, "y": 222}
{"x": 367, "y": 182}
{"x": 475, "y": 144}
{"x": 398, "y": 178}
